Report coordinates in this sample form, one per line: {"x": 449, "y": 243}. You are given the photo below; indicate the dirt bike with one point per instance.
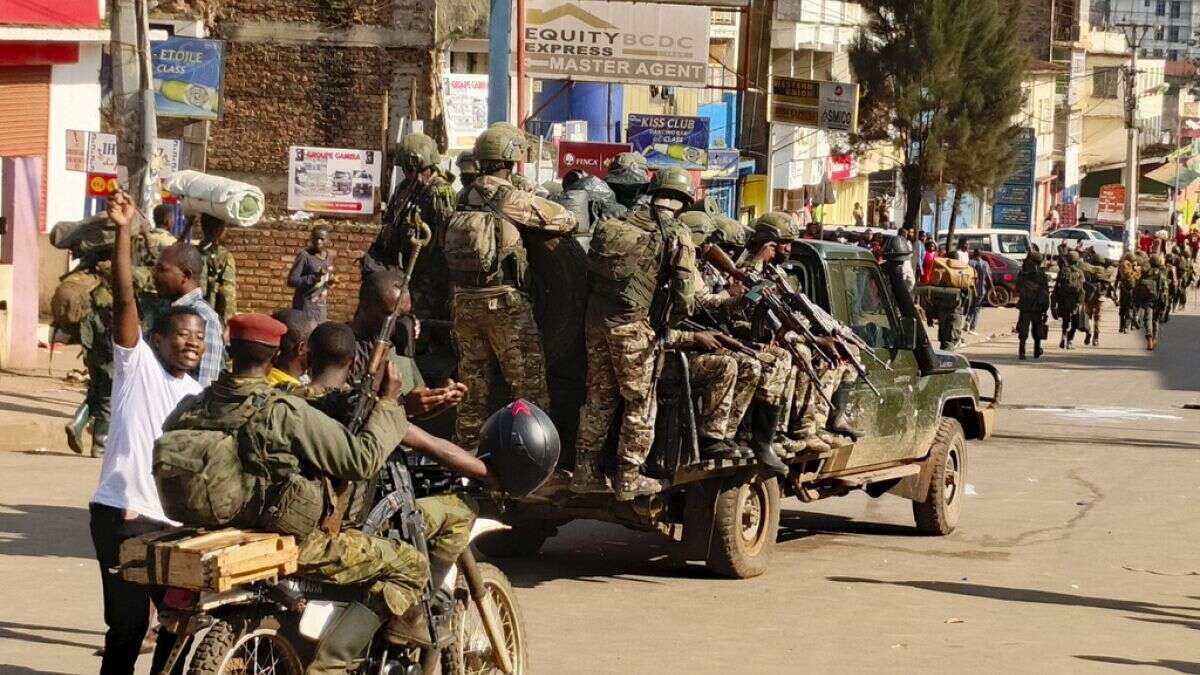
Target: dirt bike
{"x": 272, "y": 627}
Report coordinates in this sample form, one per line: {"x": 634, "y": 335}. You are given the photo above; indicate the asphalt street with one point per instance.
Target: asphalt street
{"x": 1077, "y": 552}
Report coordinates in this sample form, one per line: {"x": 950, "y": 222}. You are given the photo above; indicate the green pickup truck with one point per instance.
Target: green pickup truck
{"x": 724, "y": 512}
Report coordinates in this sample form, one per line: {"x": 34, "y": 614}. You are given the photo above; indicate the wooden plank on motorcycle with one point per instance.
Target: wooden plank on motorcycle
{"x": 207, "y": 561}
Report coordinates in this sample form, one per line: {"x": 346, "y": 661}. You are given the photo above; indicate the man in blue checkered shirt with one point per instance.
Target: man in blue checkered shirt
{"x": 176, "y": 277}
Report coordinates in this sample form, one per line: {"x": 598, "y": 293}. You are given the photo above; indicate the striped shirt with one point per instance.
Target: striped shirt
{"x": 213, "y": 361}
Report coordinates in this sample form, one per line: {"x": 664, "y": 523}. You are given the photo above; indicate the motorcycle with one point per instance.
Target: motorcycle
{"x": 272, "y": 627}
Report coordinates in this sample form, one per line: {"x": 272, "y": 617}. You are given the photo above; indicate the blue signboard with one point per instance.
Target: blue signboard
{"x": 670, "y": 140}
{"x": 188, "y": 75}
{"x": 1013, "y": 206}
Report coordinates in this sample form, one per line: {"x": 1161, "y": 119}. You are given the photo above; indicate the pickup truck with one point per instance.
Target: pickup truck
{"x": 725, "y": 512}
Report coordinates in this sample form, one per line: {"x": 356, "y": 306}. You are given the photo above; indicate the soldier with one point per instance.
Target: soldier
{"x": 219, "y": 280}
{"x": 628, "y": 177}
{"x": 1067, "y": 300}
{"x": 1150, "y": 298}
{"x": 303, "y": 449}
{"x": 1183, "y": 276}
{"x": 424, "y": 195}
{"x": 487, "y": 262}
{"x": 641, "y": 267}
{"x": 1128, "y": 272}
{"x": 1032, "y": 303}
{"x": 468, "y": 171}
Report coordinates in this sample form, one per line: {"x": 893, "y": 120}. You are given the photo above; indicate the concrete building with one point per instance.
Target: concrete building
{"x": 1172, "y": 24}
{"x": 1103, "y": 99}
{"x": 1038, "y": 114}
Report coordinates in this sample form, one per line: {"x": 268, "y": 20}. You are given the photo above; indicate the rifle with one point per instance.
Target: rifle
{"x": 367, "y": 398}
{"x": 663, "y": 303}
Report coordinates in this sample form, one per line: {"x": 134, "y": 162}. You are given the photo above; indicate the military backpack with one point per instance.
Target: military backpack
{"x": 623, "y": 264}
{"x": 483, "y": 246}
{"x": 952, "y": 273}
{"x": 1069, "y": 287}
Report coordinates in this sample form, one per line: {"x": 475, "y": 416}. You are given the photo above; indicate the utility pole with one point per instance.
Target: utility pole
{"x": 133, "y": 100}
{"x": 1132, "y": 166}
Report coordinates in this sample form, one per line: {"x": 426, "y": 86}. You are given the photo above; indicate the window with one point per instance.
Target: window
{"x": 1160, "y": 7}
{"x": 868, "y": 305}
{"x": 1013, "y": 243}
{"x": 1173, "y": 55}
{"x": 1105, "y": 82}
{"x": 976, "y": 241}
{"x": 1159, "y": 32}
{"x": 1099, "y": 236}
{"x": 1173, "y": 34}
{"x": 1175, "y": 9}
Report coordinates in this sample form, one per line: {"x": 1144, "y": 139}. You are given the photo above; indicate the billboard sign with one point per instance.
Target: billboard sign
{"x": 188, "y": 77}
{"x": 589, "y": 157}
{"x": 1110, "y": 206}
{"x": 333, "y": 180}
{"x": 670, "y": 140}
{"x": 466, "y": 109}
{"x": 1013, "y": 206}
{"x": 832, "y": 106}
{"x": 631, "y": 43}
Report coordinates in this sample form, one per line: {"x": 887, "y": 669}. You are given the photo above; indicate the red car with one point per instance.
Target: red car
{"x": 1004, "y": 279}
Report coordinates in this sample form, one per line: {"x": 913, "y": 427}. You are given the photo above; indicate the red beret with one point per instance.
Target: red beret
{"x": 256, "y": 327}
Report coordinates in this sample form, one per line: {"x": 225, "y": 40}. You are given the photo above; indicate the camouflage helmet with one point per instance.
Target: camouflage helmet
{"x": 502, "y": 142}
{"x": 628, "y": 168}
{"x": 674, "y": 180}
{"x": 1157, "y": 260}
{"x": 467, "y": 163}
{"x": 774, "y": 226}
{"x": 1073, "y": 256}
{"x": 707, "y": 205}
{"x": 416, "y": 152}
{"x": 700, "y": 224}
{"x": 1034, "y": 257}
{"x": 729, "y": 231}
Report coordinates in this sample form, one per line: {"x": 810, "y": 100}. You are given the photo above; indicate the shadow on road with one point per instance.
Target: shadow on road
{"x": 795, "y": 525}
{"x": 1169, "y": 664}
{"x": 33, "y": 410}
{"x": 38, "y": 530}
{"x": 1047, "y": 440}
{"x": 8, "y": 669}
{"x": 1030, "y": 595}
{"x": 10, "y": 630}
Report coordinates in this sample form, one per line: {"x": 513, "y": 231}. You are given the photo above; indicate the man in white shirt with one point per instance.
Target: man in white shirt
{"x": 149, "y": 379}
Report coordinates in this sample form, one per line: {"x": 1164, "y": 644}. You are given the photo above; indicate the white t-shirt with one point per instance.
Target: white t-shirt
{"x": 143, "y": 395}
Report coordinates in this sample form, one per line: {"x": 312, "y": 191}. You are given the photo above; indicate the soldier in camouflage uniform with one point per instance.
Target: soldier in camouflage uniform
{"x": 641, "y": 263}
{"x": 1128, "y": 272}
{"x": 1067, "y": 300}
{"x": 219, "y": 281}
{"x": 468, "y": 171}
{"x": 423, "y": 195}
{"x": 318, "y": 449}
{"x": 1032, "y": 304}
{"x": 1150, "y": 296}
{"x": 493, "y": 316}
{"x": 628, "y": 177}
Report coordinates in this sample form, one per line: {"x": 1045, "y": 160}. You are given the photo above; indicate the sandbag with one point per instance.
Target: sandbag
{"x": 952, "y": 273}
{"x": 229, "y": 200}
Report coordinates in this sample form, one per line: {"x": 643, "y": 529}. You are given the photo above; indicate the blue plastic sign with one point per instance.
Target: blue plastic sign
{"x": 188, "y": 76}
{"x": 1013, "y": 207}
{"x": 670, "y": 140}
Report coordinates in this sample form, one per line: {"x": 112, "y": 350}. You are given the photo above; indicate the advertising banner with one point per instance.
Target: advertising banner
{"x": 1013, "y": 206}
{"x": 669, "y": 140}
{"x": 188, "y": 76}
{"x": 101, "y": 185}
{"x": 841, "y": 167}
{"x": 96, "y": 154}
{"x": 723, "y": 164}
{"x": 590, "y": 157}
{"x": 832, "y": 106}
{"x": 466, "y": 109}
{"x": 1110, "y": 207}
{"x": 642, "y": 43}
{"x": 333, "y": 180}
{"x": 77, "y": 149}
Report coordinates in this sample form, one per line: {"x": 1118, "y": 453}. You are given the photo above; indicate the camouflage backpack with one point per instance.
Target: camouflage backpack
{"x": 623, "y": 262}
{"x": 72, "y": 300}
{"x": 1069, "y": 287}
{"x": 482, "y": 246}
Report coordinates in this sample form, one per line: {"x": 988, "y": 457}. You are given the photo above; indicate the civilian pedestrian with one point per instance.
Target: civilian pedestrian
{"x": 177, "y": 280}
{"x": 312, "y": 275}
{"x": 149, "y": 380}
{"x": 291, "y": 362}
{"x": 960, "y": 252}
{"x": 919, "y": 253}
{"x": 858, "y": 215}
{"x": 927, "y": 266}
{"x": 983, "y": 285}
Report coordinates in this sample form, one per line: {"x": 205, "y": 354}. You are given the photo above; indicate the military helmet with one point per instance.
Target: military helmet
{"x": 700, "y": 224}
{"x": 467, "y": 163}
{"x": 1157, "y": 260}
{"x": 628, "y": 168}
{"x": 502, "y": 142}
{"x": 676, "y": 181}
{"x": 520, "y": 446}
{"x": 897, "y": 248}
{"x": 1073, "y": 256}
{"x": 416, "y": 152}
{"x": 1035, "y": 257}
{"x": 729, "y": 231}
{"x": 707, "y": 205}
{"x": 774, "y": 226}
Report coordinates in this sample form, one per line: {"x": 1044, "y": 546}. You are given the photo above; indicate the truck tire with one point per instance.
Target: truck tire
{"x": 938, "y": 514}
{"x": 525, "y": 538}
{"x": 745, "y": 525}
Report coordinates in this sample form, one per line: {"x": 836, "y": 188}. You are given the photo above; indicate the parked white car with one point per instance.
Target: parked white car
{"x": 1009, "y": 243}
{"x": 1075, "y": 238}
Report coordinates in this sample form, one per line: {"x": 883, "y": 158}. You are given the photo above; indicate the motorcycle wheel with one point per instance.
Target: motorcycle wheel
{"x": 246, "y": 644}
{"x": 470, "y": 654}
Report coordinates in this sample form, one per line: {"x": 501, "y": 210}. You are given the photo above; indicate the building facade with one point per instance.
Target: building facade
{"x": 1171, "y": 25}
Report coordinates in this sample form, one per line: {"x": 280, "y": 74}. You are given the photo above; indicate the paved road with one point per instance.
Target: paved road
{"x": 1077, "y": 553}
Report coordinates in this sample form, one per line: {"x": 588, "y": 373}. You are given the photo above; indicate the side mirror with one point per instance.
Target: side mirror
{"x": 908, "y": 333}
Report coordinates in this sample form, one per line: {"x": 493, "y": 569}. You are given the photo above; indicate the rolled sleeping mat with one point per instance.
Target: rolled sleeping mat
{"x": 230, "y": 200}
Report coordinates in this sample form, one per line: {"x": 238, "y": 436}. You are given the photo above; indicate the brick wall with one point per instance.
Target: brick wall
{"x": 324, "y": 12}
{"x": 265, "y": 253}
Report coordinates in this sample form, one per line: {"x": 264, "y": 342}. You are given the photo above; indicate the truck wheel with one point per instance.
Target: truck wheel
{"x": 938, "y": 514}
{"x": 745, "y": 525}
{"x": 525, "y": 538}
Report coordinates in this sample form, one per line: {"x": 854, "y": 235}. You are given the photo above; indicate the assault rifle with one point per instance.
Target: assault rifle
{"x": 663, "y": 303}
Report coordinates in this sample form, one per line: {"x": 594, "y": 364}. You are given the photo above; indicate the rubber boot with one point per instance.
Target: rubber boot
{"x": 1037, "y": 349}
{"x": 1021, "y": 350}
{"x": 75, "y": 428}
{"x": 839, "y": 416}
{"x": 412, "y": 628}
{"x": 1096, "y": 339}
{"x": 99, "y": 443}
{"x": 631, "y": 484}
{"x": 588, "y": 478}
{"x": 716, "y": 448}
{"x": 1149, "y": 343}
{"x": 762, "y": 440}
{"x": 344, "y": 641}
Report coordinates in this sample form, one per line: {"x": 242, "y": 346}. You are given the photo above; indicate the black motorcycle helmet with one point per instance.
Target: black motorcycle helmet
{"x": 897, "y": 248}
{"x": 520, "y": 446}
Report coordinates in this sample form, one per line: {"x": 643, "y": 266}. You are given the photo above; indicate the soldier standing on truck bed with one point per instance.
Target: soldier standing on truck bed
{"x": 642, "y": 261}
{"x": 487, "y": 262}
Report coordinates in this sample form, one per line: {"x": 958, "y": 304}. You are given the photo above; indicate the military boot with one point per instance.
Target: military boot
{"x": 631, "y": 484}
{"x": 1021, "y": 350}
{"x": 716, "y": 448}
{"x": 588, "y": 478}
{"x": 836, "y": 441}
{"x": 1096, "y": 339}
{"x": 99, "y": 443}
{"x": 75, "y": 428}
{"x": 343, "y": 642}
{"x": 814, "y": 443}
{"x": 410, "y": 629}
{"x": 762, "y": 440}
{"x": 1149, "y": 343}
{"x": 839, "y": 416}
{"x": 1037, "y": 349}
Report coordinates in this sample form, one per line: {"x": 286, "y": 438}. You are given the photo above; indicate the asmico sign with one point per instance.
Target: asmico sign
{"x": 646, "y": 43}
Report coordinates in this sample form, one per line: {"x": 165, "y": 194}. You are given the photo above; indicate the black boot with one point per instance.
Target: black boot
{"x": 839, "y": 416}
{"x": 345, "y": 640}
{"x": 75, "y": 428}
{"x": 715, "y": 448}
{"x": 1021, "y": 351}
{"x": 762, "y": 438}
{"x": 1037, "y": 349}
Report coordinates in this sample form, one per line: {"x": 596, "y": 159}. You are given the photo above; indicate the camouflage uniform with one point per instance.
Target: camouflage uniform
{"x": 219, "y": 281}
{"x": 1151, "y": 300}
{"x": 1067, "y": 299}
{"x": 493, "y": 319}
{"x": 1128, "y": 271}
{"x": 1033, "y": 303}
